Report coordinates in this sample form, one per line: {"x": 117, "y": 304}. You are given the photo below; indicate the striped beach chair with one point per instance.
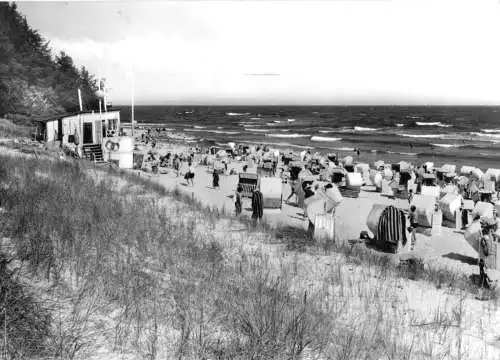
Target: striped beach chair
{"x": 248, "y": 182}
{"x": 388, "y": 224}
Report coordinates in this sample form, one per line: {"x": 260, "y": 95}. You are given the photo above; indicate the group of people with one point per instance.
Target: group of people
{"x": 488, "y": 233}
{"x": 418, "y": 174}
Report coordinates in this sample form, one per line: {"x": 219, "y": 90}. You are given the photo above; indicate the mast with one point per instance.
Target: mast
{"x": 80, "y": 99}
{"x": 105, "y": 99}
{"x": 132, "y": 110}
{"x": 132, "y": 104}
{"x": 100, "y": 93}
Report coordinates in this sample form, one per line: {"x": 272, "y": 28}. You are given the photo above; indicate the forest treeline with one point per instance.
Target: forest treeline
{"x": 33, "y": 81}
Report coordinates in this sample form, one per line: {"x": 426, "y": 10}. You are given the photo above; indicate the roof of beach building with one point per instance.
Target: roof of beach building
{"x": 45, "y": 119}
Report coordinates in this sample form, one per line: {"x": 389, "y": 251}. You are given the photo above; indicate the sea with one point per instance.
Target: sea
{"x": 440, "y": 134}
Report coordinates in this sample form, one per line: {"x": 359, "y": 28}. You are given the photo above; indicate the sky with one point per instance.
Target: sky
{"x": 338, "y": 52}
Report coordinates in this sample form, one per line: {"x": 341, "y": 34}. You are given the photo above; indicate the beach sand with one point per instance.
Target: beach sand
{"x": 448, "y": 248}
{"x": 421, "y": 300}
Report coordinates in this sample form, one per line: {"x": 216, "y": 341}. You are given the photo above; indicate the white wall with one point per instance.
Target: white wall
{"x": 73, "y": 124}
{"x": 51, "y": 130}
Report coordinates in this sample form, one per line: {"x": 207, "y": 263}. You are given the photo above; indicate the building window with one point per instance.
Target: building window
{"x": 112, "y": 124}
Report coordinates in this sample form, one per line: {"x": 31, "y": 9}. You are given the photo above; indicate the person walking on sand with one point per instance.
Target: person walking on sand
{"x": 237, "y": 202}
{"x": 215, "y": 179}
{"x": 292, "y": 193}
{"x": 257, "y": 206}
{"x": 485, "y": 245}
{"x": 176, "y": 165}
{"x": 413, "y": 226}
{"x": 410, "y": 196}
{"x": 465, "y": 216}
{"x": 191, "y": 173}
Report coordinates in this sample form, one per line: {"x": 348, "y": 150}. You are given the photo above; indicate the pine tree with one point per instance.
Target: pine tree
{"x": 32, "y": 82}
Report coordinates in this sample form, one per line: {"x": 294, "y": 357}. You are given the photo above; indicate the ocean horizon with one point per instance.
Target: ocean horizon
{"x": 461, "y": 135}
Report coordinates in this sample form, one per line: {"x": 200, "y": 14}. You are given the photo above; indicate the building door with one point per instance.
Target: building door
{"x": 88, "y": 137}
{"x": 59, "y": 130}
{"x": 98, "y": 131}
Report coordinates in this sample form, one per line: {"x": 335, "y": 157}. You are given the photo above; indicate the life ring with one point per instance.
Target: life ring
{"x": 109, "y": 145}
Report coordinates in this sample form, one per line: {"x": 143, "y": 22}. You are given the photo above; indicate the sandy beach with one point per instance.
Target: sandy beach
{"x": 449, "y": 248}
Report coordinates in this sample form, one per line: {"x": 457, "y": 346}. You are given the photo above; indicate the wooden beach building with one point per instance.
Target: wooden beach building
{"x": 92, "y": 135}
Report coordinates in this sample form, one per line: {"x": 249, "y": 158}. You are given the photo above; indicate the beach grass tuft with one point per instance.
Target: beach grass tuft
{"x": 10, "y": 130}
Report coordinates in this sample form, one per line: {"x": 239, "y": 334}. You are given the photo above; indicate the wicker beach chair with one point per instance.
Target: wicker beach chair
{"x": 248, "y": 183}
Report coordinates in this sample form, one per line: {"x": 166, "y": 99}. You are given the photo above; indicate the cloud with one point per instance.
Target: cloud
{"x": 404, "y": 51}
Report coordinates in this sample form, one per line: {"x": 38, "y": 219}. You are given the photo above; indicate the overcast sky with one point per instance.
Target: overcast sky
{"x": 283, "y": 52}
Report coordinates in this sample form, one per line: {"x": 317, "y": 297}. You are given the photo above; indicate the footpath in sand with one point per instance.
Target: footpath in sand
{"x": 449, "y": 248}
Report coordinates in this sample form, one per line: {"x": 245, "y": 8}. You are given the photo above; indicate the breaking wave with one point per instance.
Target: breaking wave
{"x": 447, "y": 145}
{"x": 430, "y": 136}
{"x": 324, "y": 138}
{"x": 287, "y": 135}
{"x": 435, "y": 123}
{"x": 343, "y": 149}
{"x": 282, "y": 144}
{"x": 493, "y": 136}
{"x": 360, "y": 128}
{"x": 236, "y": 114}
{"x": 224, "y": 132}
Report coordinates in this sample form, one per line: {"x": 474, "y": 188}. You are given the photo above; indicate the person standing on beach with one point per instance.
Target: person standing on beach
{"x": 215, "y": 179}
{"x": 176, "y": 165}
{"x": 465, "y": 216}
{"x": 292, "y": 193}
{"x": 257, "y": 205}
{"x": 191, "y": 173}
{"x": 237, "y": 202}
{"x": 485, "y": 245}
{"x": 413, "y": 226}
{"x": 410, "y": 196}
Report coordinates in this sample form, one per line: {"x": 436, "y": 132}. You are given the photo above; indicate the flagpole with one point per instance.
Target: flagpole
{"x": 105, "y": 99}
{"x": 80, "y": 99}
{"x": 132, "y": 107}
{"x": 99, "y": 86}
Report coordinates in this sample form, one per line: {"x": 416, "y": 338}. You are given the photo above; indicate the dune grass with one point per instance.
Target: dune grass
{"x": 154, "y": 274}
{"x": 9, "y": 130}
{"x": 301, "y": 240}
